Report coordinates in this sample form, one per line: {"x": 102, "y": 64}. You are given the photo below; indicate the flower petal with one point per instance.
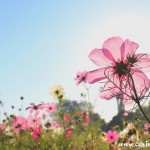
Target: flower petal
{"x": 113, "y": 45}
{"x": 110, "y": 89}
{"x": 101, "y": 57}
{"x": 141, "y": 82}
{"x": 126, "y": 100}
{"x": 128, "y": 48}
{"x": 143, "y": 62}
{"x": 95, "y": 76}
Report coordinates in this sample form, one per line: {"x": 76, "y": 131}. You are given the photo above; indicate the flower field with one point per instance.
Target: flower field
{"x": 55, "y": 126}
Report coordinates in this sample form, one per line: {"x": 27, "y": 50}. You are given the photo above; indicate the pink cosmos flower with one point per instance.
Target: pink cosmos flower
{"x": 126, "y": 113}
{"x": 34, "y": 121}
{"x": 35, "y": 133}
{"x": 86, "y": 117}
{"x": 50, "y": 107}
{"x": 1, "y": 127}
{"x": 119, "y": 62}
{"x": 81, "y": 77}
{"x": 35, "y": 108}
{"x": 69, "y": 131}
{"x": 44, "y": 116}
{"x": 66, "y": 118}
{"x": 112, "y": 136}
{"x": 146, "y": 126}
{"x": 19, "y": 123}
{"x": 86, "y": 120}
{"x": 84, "y": 114}
{"x": 55, "y": 123}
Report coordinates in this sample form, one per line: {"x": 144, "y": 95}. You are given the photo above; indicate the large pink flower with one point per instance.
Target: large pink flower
{"x": 119, "y": 64}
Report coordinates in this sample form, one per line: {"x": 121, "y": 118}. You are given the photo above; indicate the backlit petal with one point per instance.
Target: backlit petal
{"x": 95, "y": 75}
{"x": 141, "y": 82}
{"x": 128, "y": 48}
{"x": 101, "y": 57}
{"x": 143, "y": 62}
{"x": 114, "y": 45}
{"x": 110, "y": 89}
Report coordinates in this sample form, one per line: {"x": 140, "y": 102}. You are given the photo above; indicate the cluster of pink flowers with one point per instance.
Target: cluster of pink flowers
{"x": 123, "y": 69}
{"x": 19, "y": 124}
{"x": 40, "y": 118}
{"x": 34, "y": 121}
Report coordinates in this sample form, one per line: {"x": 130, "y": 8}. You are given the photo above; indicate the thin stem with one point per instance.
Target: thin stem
{"x": 90, "y": 111}
{"x": 137, "y": 99}
{"x": 61, "y": 114}
{"x": 134, "y": 90}
{"x": 22, "y": 108}
{"x": 143, "y": 112}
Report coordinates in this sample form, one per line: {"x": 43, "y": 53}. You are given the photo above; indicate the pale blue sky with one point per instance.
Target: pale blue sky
{"x": 46, "y": 42}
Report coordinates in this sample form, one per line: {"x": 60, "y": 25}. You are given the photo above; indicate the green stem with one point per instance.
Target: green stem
{"x": 143, "y": 112}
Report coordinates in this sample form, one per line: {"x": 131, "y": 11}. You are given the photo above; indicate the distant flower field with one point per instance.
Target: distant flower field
{"x": 55, "y": 126}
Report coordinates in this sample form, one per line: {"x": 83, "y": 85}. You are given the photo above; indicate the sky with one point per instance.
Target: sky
{"x": 43, "y": 43}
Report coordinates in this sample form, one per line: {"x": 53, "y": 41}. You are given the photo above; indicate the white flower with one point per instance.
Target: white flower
{"x": 130, "y": 126}
{"x": 122, "y": 134}
{"x": 8, "y": 131}
{"x": 103, "y": 137}
{"x": 57, "y": 91}
{"x": 57, "y": 131}
{"x": 125, "y": 131}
